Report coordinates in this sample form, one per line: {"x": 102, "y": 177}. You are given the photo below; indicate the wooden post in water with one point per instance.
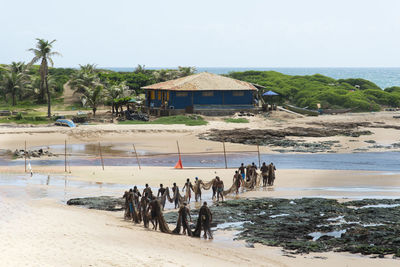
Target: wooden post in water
{"x": 226, "y": 163}
{"x": 259, "y": 158}
{"x": 101, "y": 157}
{"x": 25, "y": 155}
{"x": 179, "y": 151}
{"x": 137, "y": 158}
{"x": 65, "y": 155}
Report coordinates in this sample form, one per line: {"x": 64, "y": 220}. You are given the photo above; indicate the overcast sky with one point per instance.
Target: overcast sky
{"x": 206, "y": 33}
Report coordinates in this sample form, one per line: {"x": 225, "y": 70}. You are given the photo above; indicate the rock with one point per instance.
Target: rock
{"x": 249, "y": 245}
{"x": 99, "y": 203}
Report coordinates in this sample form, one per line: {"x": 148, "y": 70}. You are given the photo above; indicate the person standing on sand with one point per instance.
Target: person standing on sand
{"x": 147, "y": 190}
{"x": 214, "y": 187}
{"x": 136, "y": 195}
{"x": 143, "y": 208}
{"x": 242, "y": 171}
{"x": 189, "y": 187}
{"x": 197, "y": 189}
{"x": 161, "y": 192}
{"x": 271, "y": 174}
{"x": 175, "y": 191}
{"x": 183, "y": 215}
{"x": 237, "y": 180}
{"x": 264, "y": 172}
{"x": 220, "y": 189}
{"x": 127, "y": 212}
{"x": 205, "y": 217}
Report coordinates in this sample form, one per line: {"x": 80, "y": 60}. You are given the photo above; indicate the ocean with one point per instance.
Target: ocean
{"x": 383, "y": 77}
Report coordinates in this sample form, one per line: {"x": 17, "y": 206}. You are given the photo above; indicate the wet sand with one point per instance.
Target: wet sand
{"x": 43, "y": 231}
{"x": 162, "y": 138}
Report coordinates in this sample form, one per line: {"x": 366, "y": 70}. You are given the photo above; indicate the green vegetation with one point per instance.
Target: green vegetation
{"x": 190, "y": 120}
{"x": 308, "y": 91}
{"x": 22, "y": 119}
{"x": 238, "y": 120}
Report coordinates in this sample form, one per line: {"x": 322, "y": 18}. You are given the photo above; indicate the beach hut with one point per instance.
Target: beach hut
{"x": 201, "y": 91}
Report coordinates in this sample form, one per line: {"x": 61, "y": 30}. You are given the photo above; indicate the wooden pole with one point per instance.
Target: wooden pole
{"x": 179, "y": 151}
{"x": 259, "y": 158}
{"x": 25, "y": 155}
{"x": 65, "y": 156}
{"x": 138, "y": 163}
{"x": 226, "y": 164}
{"x": 101, "y": 157}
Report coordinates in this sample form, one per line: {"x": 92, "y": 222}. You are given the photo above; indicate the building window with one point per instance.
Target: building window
{"x": 181, "y": 94}
{"x": 238, "y": 93}
{"x": 152, "y": 95}
{"x": 208, "y": 93}
{"x": 159, "y": 95}
{"x": 167, "y": 95}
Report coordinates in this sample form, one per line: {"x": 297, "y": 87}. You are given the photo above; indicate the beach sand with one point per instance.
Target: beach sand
{"x": 162, "y": 138}
{"x": 42, "y": 231}
{"x": 46, "y": 232}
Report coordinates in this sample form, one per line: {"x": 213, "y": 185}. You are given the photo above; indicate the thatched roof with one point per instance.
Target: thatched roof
{"x": 201, "y": 82}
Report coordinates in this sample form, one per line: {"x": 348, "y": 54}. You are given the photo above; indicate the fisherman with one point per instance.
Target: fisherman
{"x": 205, "y": 218}
{"x": 147, "y": 190}
{"x": 127, "y": 212}
{"x": 264, "y": 172}
{"x": 144, "y": 201}
{"x": 183, "y": 216}
{"x": 248, "y": 172}
{"x": 157, "y": 218}
{"x": 175, "y": 190}
{"x": 214, "y": 187}
{"x": 220, "y": 189}
{"x": 237, "y": 181}
{"x": 242, "y": 171}
{"x": 160, "y": 195}
{"x": 271, "y": 174}
{"x": 136, "y": 195}
{"x": 130, "y": 203}
{"x": 189, "y": 187}
{"x": 197, "y": 188}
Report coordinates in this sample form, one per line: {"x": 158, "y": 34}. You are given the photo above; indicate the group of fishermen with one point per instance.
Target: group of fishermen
{"x": 245, "y": 174}
{"x": 147, "y": 207}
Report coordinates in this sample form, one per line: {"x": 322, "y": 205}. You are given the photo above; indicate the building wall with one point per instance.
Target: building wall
{"x": 182, "y": 99}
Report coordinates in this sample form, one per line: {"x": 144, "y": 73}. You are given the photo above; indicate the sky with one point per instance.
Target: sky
{"x": 205, "y": 33}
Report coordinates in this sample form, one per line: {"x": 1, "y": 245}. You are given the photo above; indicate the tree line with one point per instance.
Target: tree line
{"x": 20, "y": 81}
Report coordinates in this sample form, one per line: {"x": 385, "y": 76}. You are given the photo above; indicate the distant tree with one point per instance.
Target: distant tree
{"x": 85, "y": 78}
{"x": 186, "y": 71}
{"x": 93, "y": 97}
{"x": 43, "y": 52}
{"x": 15, "y": 79}
{"x": 116, "y": 91}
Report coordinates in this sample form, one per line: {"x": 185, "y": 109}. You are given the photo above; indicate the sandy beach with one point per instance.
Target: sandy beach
{"x": 37, "y": 228}
{"x": 162, "y": 138}
{"x": 43, "y": 231}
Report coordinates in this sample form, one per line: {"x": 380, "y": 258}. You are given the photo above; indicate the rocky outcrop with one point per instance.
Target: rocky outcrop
{"x": 99, "y": 203}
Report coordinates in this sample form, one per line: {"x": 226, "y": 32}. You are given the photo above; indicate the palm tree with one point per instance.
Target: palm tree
{"x": 93, "y": 97}
{"x": 116, "y": 91}
{"x": 15, "y": 79}
{"x": 85, "y": 78}
{"x": 43, "y": 52}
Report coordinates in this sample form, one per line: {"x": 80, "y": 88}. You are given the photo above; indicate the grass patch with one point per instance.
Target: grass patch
{"x": 26, "y": 120}
{"x": 190, "y": 120}
{"x": 238, "y": 120}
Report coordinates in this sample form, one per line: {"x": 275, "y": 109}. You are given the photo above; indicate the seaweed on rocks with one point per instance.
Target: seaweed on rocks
{"x": 99, "y": 203}
{"x": 314, "y": 224}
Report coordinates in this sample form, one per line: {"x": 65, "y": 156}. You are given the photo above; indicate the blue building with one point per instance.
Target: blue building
{"x": 201, "y": 91}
